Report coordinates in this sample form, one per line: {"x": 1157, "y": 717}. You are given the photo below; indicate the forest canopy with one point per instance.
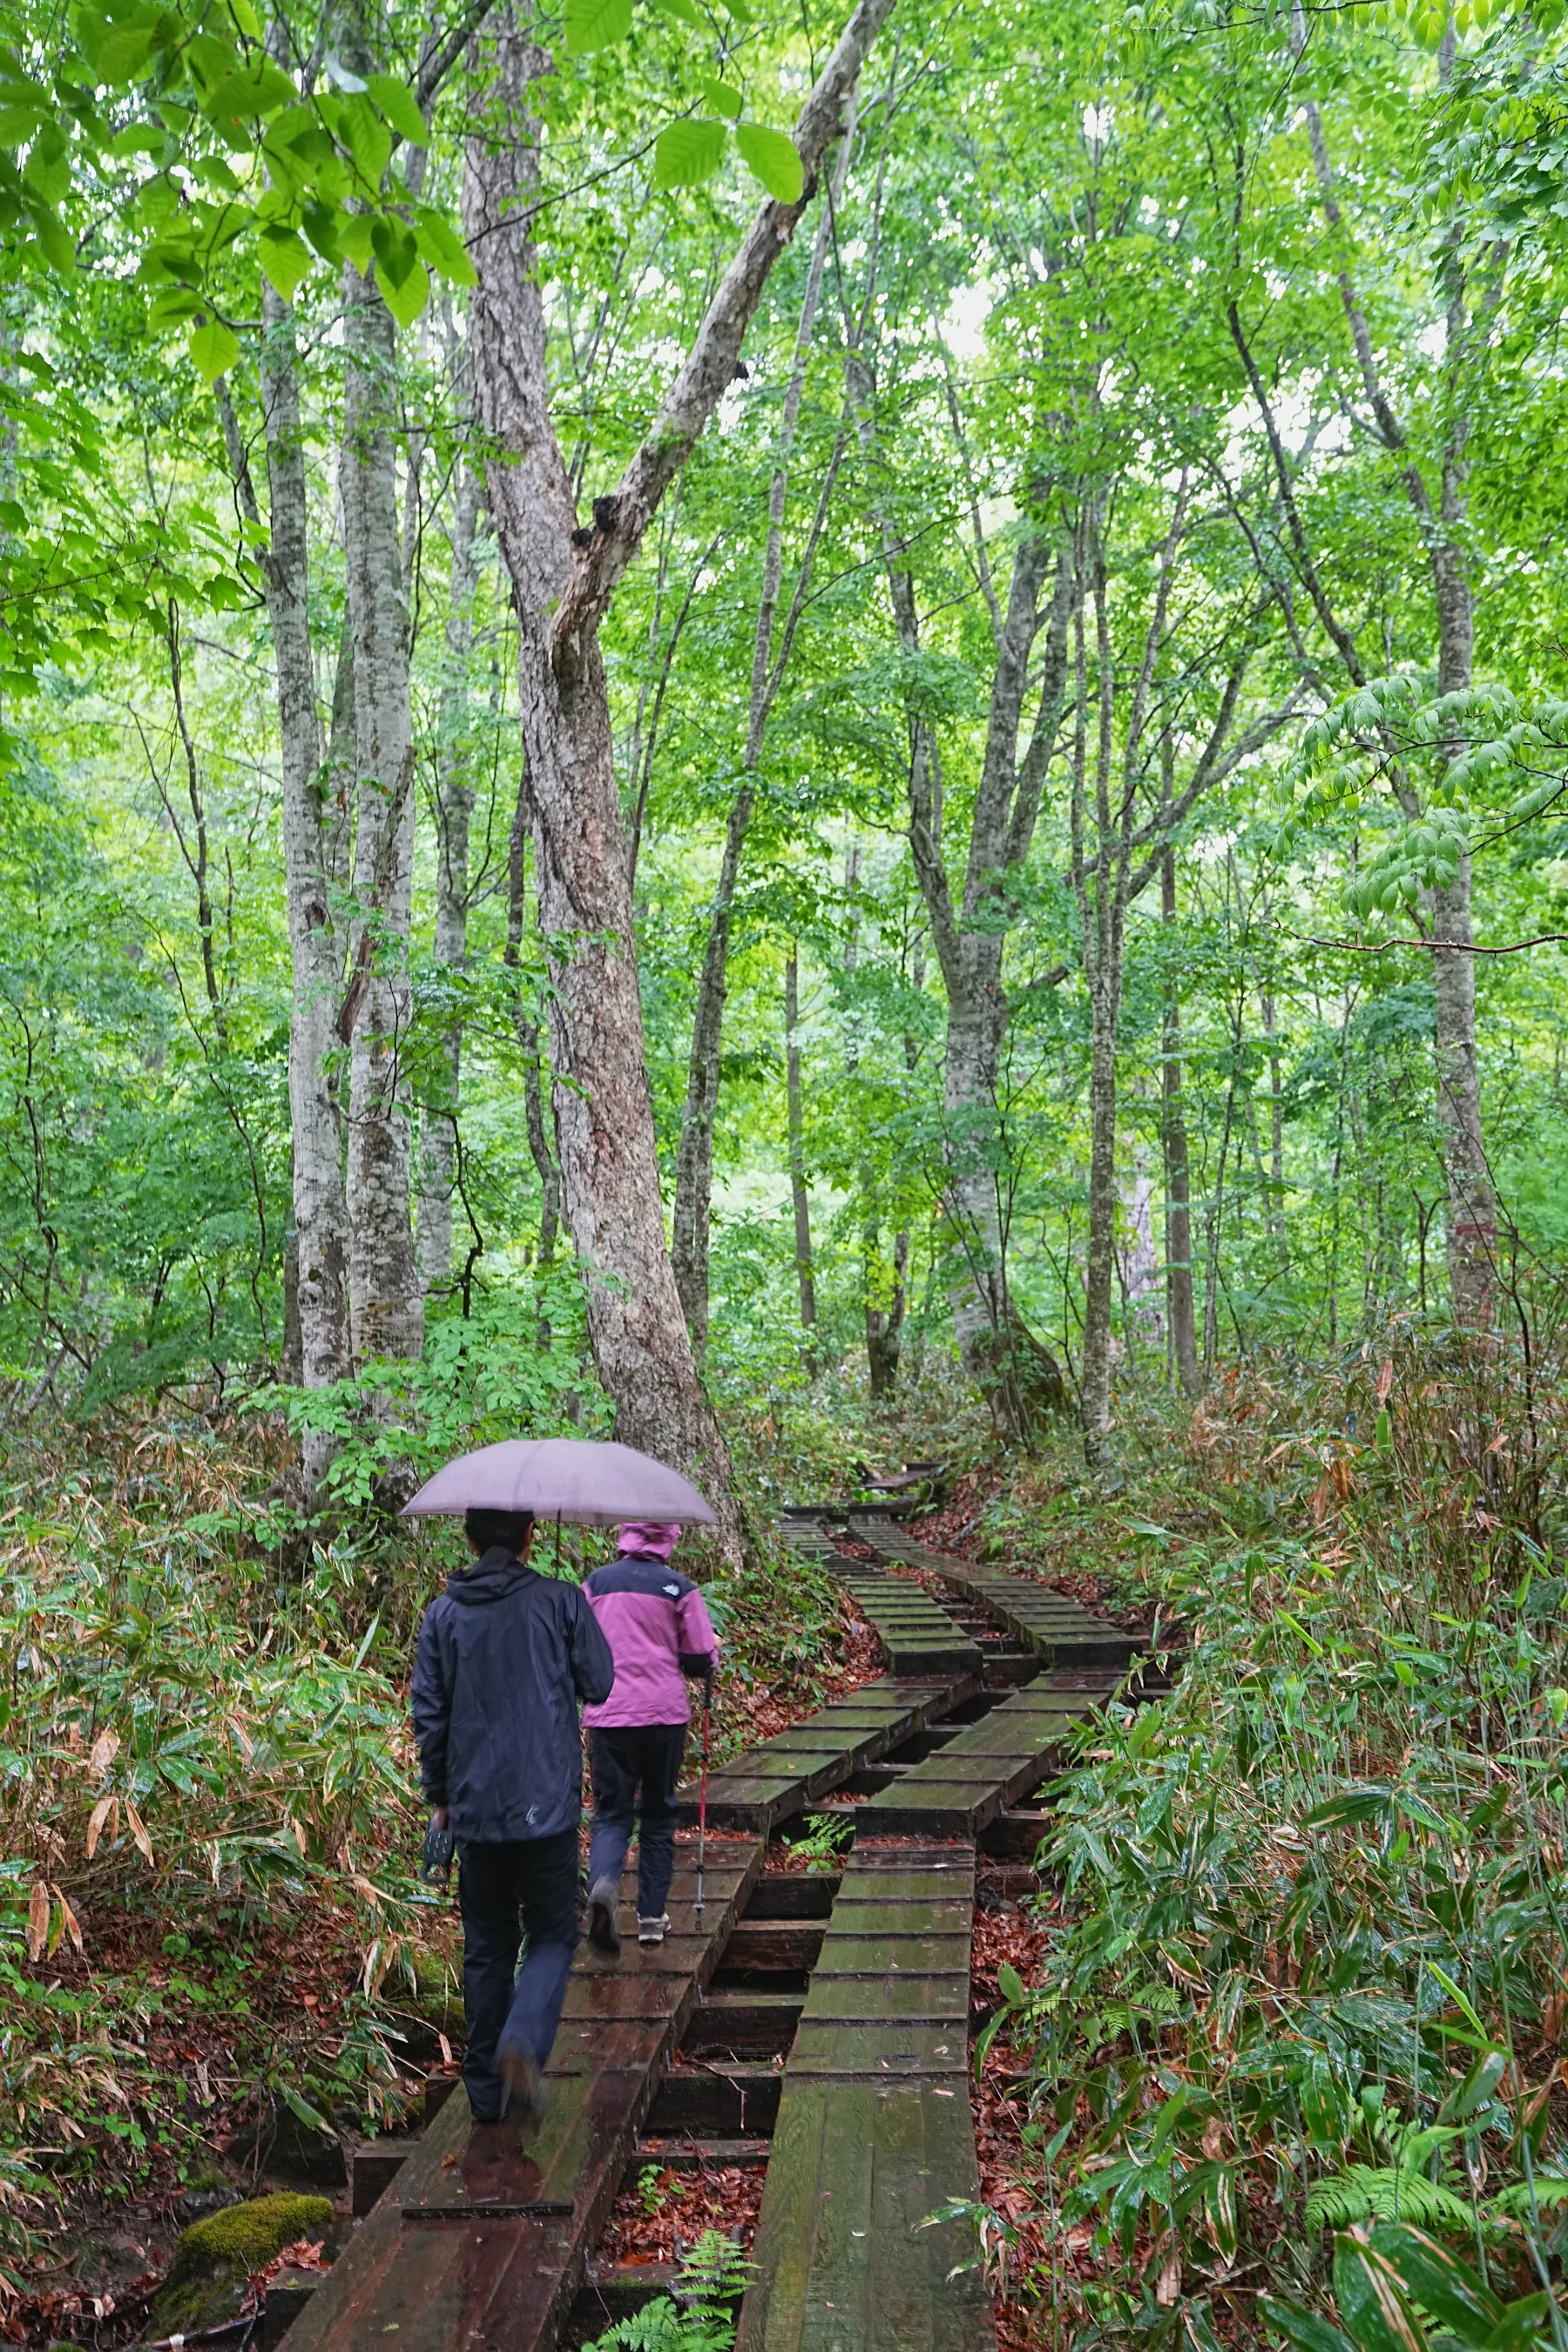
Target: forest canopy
{"x": 690, "y": 693}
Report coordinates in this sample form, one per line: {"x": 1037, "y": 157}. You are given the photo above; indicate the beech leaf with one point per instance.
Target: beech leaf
{"x": 774, "y": 159}
{"x": 722, "y": 97}
{"x": 286, "y": 258}
{"x": 399, "y": 106}
{"x": 596, "y": 25}
{"x": 443, "y": 248}
{"x": 687, "y": 153}
{"x": 213, "y": 350}
{"x": 407, "y": 298}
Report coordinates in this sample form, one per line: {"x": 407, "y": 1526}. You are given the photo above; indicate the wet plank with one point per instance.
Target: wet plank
{"x": 773, "y": 1783}
{"x": 1043, "y": 1620}
{"x": 965, "y": 1783}
{"x": 874, "y": 2133}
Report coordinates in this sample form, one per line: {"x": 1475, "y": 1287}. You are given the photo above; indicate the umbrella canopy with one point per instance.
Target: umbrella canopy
{"x": 575, "y": 1479}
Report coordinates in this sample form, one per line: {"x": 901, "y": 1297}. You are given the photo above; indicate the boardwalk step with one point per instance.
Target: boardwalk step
{"x": 716, "y": 2096}
{"x": 874, "y": 2130}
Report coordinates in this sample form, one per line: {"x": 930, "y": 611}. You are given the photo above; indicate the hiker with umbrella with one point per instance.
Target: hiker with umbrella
{"x": 657, "y": 1626}
{"x": 505, "y": 1656}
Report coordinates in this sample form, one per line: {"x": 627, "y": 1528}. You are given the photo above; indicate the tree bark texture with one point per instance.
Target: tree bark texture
{"x": 454, "y": 813}
{"x": 603, "y": 1119}
{"x": 1178, "y": 1201}
{"x": 320, "y": 1213}
{"x": 388, "y": 1304}
{"x": 694, "y": 1155}
{"x": 800, "y": 1196}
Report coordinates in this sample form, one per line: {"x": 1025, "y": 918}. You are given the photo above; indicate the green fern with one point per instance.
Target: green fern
{"x": 1366, "y": 2193}
{"x": 1513, "y": 2203}
{"x": 713, "y": 2279}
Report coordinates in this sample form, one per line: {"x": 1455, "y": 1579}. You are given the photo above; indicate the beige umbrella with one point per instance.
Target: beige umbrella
{"x": 593, "y": 1484}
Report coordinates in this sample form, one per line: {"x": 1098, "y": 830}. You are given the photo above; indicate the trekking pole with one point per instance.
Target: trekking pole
{"x": 703, "y": 1792}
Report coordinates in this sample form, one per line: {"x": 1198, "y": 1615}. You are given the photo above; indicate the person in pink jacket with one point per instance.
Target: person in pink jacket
{"x": 659, "y": 1631}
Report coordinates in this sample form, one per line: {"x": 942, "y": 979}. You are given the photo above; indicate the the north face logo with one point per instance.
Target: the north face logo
{"x": 673, "y": 1591}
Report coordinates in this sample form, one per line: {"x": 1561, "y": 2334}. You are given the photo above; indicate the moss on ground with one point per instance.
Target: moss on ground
{"x": 213, "y": 2259}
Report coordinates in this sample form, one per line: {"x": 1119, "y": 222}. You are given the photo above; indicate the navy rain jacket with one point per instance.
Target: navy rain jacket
{"x": 504, "y": 1657}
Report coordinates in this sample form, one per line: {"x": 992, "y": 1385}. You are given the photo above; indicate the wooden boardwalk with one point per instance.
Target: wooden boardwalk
{"x": 960, "y": 1787}
{"x": 1046, "y": 1620}
{"x": 478, "y": 2246}
{"x": 773, "y": 1783}
{"x": 874, "y": 2129}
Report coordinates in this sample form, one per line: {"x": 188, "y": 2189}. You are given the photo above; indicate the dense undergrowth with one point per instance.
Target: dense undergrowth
{"x": 1295, "y": 2036}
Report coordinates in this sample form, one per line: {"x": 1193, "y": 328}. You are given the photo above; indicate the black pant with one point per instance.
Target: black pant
{"x": 506, "y": 1893}
{"x": 648, "y": 1755}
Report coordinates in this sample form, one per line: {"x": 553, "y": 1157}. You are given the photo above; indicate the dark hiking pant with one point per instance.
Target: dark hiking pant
{"x": 517, "y": 1896}
{"x": 635, "y": 1769}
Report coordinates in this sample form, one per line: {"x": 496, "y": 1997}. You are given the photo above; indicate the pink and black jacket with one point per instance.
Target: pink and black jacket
{"x": 657, "y": 1626}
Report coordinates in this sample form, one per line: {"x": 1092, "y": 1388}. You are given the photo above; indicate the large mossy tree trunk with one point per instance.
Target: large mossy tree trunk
{"x": 603, "y": 1119}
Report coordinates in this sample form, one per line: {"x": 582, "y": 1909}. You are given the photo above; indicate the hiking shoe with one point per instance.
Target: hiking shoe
{"x": 524, "y": 2085}
{"x": 603, "y": 1896}
{"x": 653, "y": 1931}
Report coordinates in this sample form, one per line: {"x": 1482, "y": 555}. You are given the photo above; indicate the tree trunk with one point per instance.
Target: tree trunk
{"x": 1472, "y": 1206}
{"x": 321, "y": 1216}
{"x": 1100, "y": 1271}
{"x": 884, "y": 1325}
{"x": 454, "y": 810}
{"x": 604, "y": 1118}
{"x": 801, "y": 1197}
{"x": 1018, "y": 1378}
{"x": 527, "y": 1029}
{"x": 694, "y": 1156}
{"x": 388, "y": 1304}
{"x": 1178, "y": 1210}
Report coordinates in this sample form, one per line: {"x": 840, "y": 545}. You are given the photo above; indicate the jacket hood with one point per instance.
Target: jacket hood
{"x": 492, "y": 1576}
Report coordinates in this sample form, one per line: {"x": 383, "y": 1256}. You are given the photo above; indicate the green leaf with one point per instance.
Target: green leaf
{"x": 1011, "y": 1984}
{"x": 687, "y": 153}
{"x": 1476, "y": 2089}
{"x": 397, "y": 104}
{"x": 722, "y": 97}
{"x": 1452, "y": 1990}
{"x": 1351, "y": 1805}
{"x": 1438, "y": 2281}
{"x": 286, "y": 258}
{"x": 1304, "y": 2328}
{"x": 353, "y": 238}
{"x": 213, "y": 349}
{"x": 1525, "y": 2323}
{"x": 596, "y": 25}
{"x": 407, "y": 298}
{"x": 54, "y": 239}
{"x": 304, "y": 2110}
{"x": 774, "y": 159}
{"x": 442, "y": 246}
{"x": 1367, "y": 2290}
{"x": 684, "y": 10}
